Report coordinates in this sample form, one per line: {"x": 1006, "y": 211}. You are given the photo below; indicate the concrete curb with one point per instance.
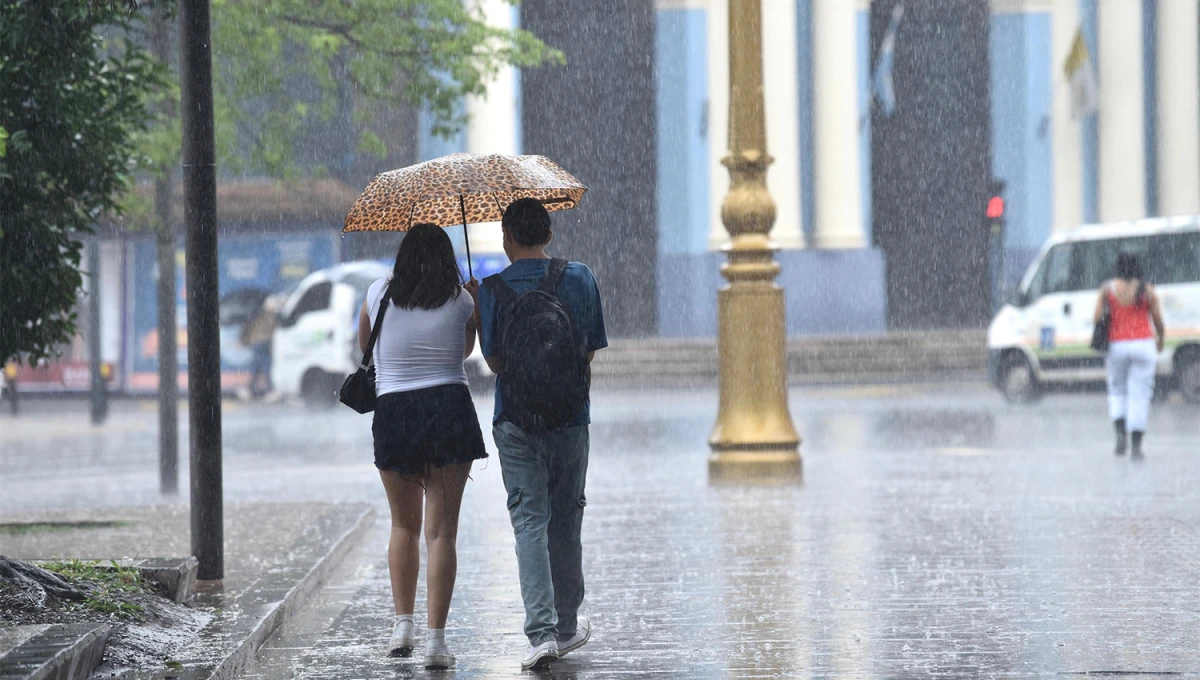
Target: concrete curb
{"x": 229, "y": 644}
{"x": 174, "y": 578}
{"x": 54, "y": 652}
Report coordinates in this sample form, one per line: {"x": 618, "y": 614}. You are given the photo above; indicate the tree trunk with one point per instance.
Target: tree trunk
{"x": 24, "y": 586}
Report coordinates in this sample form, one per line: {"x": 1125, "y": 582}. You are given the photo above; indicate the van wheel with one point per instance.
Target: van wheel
{"x": 1187, "y": 376}
{"x": 318, "y": 390}
{"x": 1018, "y": 383}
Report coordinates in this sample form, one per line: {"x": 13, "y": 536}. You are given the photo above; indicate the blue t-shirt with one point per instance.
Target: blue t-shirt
{"x": 579, "y": 294}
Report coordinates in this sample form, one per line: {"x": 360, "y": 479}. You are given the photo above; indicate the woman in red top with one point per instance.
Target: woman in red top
{"x": 1132, "y": 306}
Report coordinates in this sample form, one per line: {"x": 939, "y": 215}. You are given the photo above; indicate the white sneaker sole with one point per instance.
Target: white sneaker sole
{"x": 438, "y": 661}
{"x": 539, "y": 662}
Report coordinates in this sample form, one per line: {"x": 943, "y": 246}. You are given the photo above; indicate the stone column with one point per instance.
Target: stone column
{"x": 1122, "y": 164}
{"x": 718, "y": 118}
{"x": 837, "y": 173}
{"x": 1178, "y": 107}
{"x": 493, "y": 120}
{"x": 781, "y": 91}
{"x": 1067, "y": 141}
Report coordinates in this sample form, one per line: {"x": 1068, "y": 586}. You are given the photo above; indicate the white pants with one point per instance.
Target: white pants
{"x": 1131, "y": 367}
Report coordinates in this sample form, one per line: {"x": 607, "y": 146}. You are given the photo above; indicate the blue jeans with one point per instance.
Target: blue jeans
{"x": 544, "y": 474}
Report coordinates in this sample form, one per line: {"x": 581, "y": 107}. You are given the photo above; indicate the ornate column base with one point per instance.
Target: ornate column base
{"x": 754, "y": 436}
{"x": 777, "y": 468}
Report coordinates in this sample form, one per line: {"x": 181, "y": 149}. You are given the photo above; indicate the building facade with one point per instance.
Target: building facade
{"x": 1132, "y": 152}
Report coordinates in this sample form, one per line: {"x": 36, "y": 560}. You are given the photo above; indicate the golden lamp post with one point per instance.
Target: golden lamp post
{"x": 754, "y": 437}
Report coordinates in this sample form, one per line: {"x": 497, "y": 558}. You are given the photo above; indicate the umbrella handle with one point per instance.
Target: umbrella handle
{"x": 462, "y": 205}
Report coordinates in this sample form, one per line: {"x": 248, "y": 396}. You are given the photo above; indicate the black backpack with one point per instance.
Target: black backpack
{"x": 546, "y": 377}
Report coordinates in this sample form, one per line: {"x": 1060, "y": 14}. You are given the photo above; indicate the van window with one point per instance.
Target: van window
{"x": 1054, "y": 274}
{"x": 1169, "y": 258}
{"x": 1175, "y": 258}
{"x": 1098, "y": 259}
{"x": 314, "y": 299}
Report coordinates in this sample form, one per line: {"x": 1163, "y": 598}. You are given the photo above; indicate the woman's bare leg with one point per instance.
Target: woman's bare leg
{"x": 404, "y": 549}
{"x": 443, "y": 499}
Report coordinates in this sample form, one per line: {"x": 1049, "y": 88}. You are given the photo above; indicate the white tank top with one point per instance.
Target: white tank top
{"x": 419, "y": 348}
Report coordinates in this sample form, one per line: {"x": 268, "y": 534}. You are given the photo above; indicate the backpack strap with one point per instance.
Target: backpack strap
{"x": 554, "y": 274}
{"x": 504, "y": 293}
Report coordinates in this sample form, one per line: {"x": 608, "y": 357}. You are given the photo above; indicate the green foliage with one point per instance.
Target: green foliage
{"x": 70, "y": 101}
{"x": 105, "y": 585}
{"x": 3, "y": 142}
{"x": 418, "y": 53}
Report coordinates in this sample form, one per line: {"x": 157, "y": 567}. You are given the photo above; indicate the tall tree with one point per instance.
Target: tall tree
{"x": 70, "y": 102}
{"x": 297, "y": 80}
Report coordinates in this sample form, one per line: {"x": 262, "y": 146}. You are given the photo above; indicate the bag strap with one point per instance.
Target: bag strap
{"x": 366, "y": 360}
{"x": 554, "y": 274}
{"x": 504, "y": 293}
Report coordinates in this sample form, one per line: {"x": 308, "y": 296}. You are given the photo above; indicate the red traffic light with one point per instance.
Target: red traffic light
{"x": 995, "y": 207}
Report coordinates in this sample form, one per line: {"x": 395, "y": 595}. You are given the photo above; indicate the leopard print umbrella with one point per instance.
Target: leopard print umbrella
{"x": 460, "y": 189}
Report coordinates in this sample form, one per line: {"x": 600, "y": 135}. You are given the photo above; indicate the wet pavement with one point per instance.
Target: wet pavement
{"x": 938, "y": 531}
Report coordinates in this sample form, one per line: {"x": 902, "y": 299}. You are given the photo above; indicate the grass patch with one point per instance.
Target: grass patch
{"x": 25, "y": 528}
{"x": 105, "y": 584}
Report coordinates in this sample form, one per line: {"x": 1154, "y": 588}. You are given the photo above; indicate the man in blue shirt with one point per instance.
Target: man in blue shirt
{"x": 544, "y": 472}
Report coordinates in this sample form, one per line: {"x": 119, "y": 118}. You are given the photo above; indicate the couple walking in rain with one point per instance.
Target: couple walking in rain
{"x": 539, "y": 323}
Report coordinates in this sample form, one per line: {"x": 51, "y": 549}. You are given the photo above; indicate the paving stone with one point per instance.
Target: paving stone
{"x": 938, "y": 532}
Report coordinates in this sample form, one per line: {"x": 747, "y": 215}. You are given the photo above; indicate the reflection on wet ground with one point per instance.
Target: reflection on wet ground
{"x": 938, "y": 531}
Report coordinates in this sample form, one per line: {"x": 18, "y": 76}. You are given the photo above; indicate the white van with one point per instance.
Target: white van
{"x": 315, "y": 345}
{"x": 1044, "y": 337}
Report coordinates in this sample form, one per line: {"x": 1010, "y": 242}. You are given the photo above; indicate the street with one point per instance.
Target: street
{"x": 937, "y": 531}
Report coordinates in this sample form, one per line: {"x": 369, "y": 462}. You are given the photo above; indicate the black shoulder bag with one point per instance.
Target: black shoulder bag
{"x": 358, "y": 392}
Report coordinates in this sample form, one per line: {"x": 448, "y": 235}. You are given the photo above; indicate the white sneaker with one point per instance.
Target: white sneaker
{"x": 437, "y": 655}
{"x": 403, "y": 639}
{"x": 583, "y": 633}
{"x": 541, "y": 656}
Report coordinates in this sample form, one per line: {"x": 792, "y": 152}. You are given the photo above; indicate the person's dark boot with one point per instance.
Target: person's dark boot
{"x": 1119, "y": 426}
{"x": 1137, "y": 444}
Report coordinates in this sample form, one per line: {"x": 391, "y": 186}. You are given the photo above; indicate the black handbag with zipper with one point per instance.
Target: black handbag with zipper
{"x": 358, "y": 391}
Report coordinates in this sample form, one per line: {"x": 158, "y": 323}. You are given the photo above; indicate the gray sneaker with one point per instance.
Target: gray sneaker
{"x": 403, "y": 639}
{"x": 437, "y": 655}
{"x": 583, "y": 633}
{"x": 537, "y": 658}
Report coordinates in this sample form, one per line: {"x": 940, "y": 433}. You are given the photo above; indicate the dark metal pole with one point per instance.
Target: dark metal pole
{"x": 99, "y": 398}
{"x": 204, "y": 342}
{"x": 168, "y": 368}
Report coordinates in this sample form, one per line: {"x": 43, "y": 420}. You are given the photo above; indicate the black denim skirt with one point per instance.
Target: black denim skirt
{"x": 428, "y": 428}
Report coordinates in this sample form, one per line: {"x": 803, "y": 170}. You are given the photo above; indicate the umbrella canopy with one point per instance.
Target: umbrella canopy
{"x": 460, "y": 189}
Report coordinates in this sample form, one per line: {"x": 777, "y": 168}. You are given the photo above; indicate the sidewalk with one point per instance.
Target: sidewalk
{"x": 275, "y": 555}
{"x": 958, "y": 542}
{"x": 938, "y": 532}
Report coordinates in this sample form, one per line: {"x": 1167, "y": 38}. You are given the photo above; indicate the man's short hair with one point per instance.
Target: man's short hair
{"x": 528, "y": 222}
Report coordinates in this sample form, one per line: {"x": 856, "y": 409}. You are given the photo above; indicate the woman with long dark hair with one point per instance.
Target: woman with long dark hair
{"x": 426, "y": 430}
{"x": 1132, "y": 306}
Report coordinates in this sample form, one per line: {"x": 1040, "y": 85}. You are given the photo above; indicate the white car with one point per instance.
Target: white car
{"x": 1044, "y": 337}
{"x": 315, "y": 344}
